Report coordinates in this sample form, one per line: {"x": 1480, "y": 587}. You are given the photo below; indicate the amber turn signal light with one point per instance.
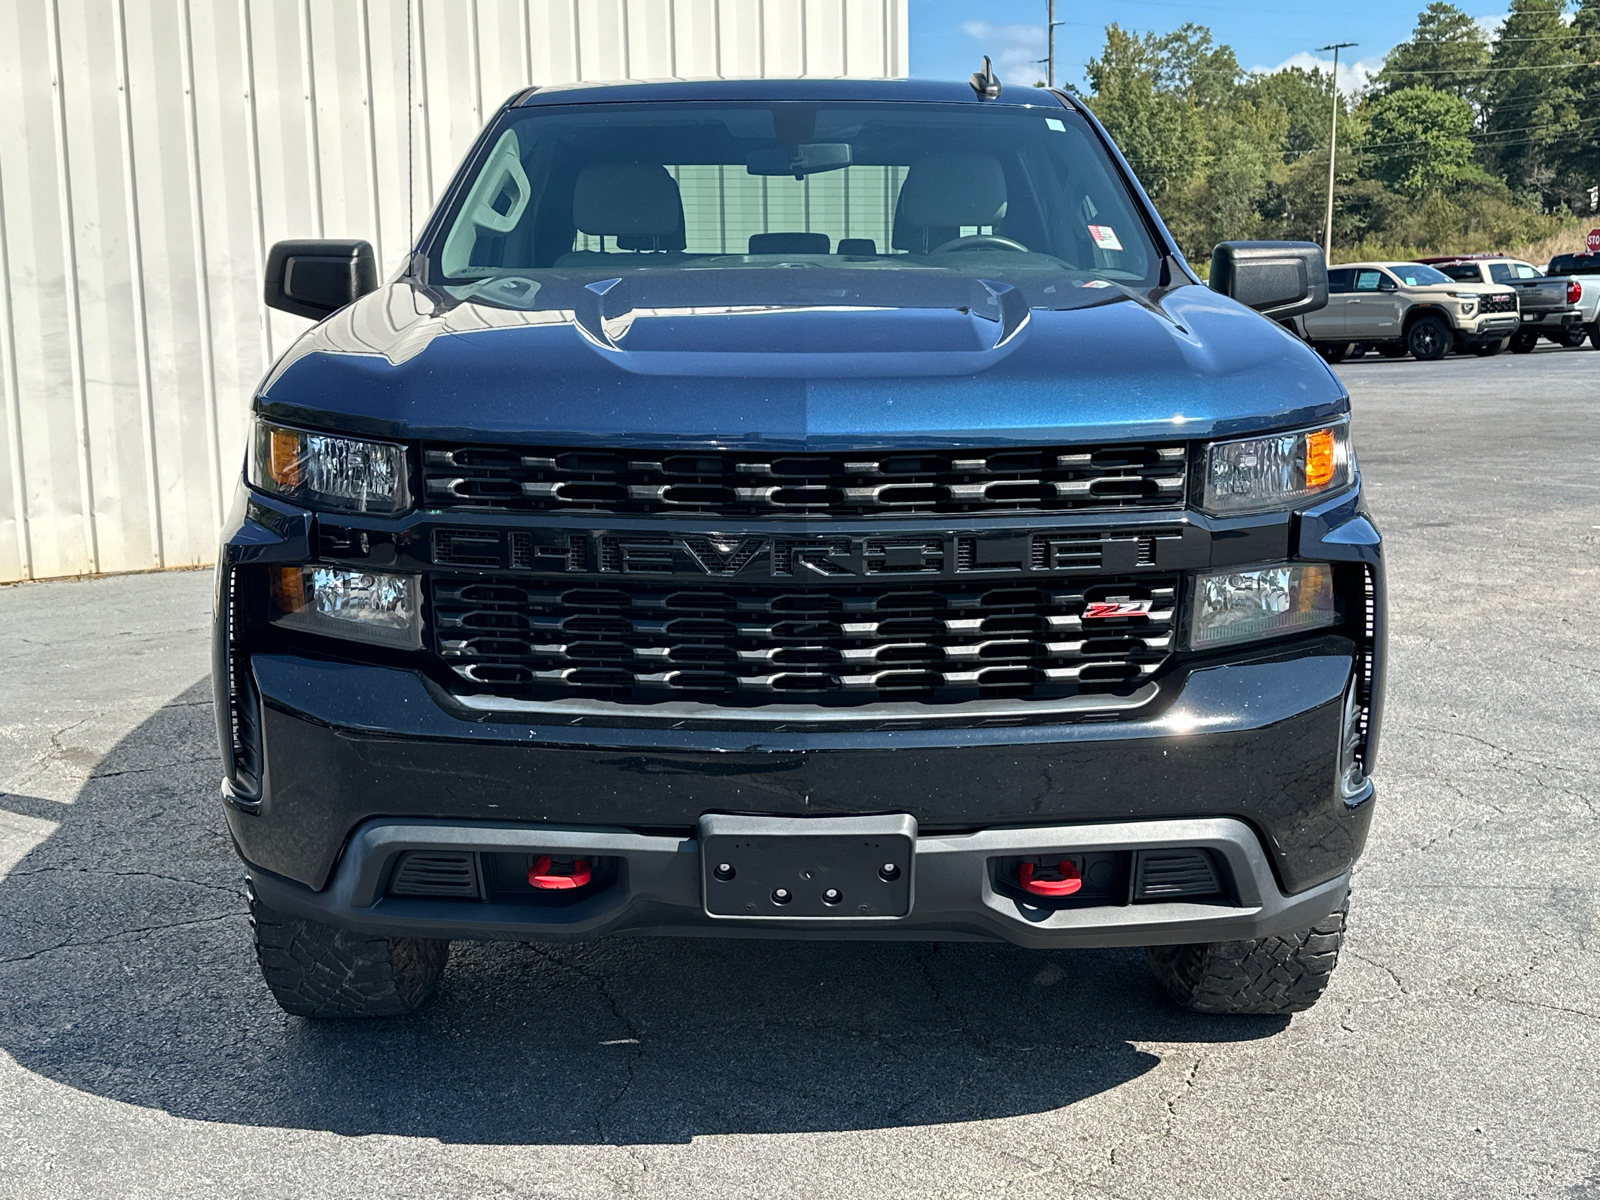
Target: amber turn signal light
{"x": 283, "y": 462}
{"x": 1320, "y": 464}
{"x": 288, "y": 589}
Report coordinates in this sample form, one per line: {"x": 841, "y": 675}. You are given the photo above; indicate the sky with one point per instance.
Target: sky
{"x": 948, "y": 37}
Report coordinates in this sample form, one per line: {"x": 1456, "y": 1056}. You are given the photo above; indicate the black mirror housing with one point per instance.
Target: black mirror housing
{"x": 1277, "y": 279}
{"x": 316, "y": 278}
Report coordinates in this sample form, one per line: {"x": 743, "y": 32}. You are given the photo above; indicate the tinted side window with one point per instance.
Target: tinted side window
{"x": 1500, "y": 272}
{"x": 1340, "y": 280}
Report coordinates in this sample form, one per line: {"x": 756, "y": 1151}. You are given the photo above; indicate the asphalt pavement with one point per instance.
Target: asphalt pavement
{"x": 1457, "y": 1053}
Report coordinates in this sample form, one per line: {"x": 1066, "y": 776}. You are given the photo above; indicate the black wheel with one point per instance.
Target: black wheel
{"x": 1429, "y": 339}
{"x": 1392, "y": 350}
{"x": 1360, "y": 349}
{"x": 1490, "y": 349}
{"x": 1594, "y": 335}
{"x": 1333, "y": 351}
{"x": 1264, "y": 977}
{"x": 1571, "y": 338}
{"x": 315, "y": 970}
{"x": 1523, "y": 343}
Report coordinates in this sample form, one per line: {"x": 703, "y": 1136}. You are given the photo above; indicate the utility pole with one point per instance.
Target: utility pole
{"x": 1050, "y": 24}
{"x": 1333, "y": 147}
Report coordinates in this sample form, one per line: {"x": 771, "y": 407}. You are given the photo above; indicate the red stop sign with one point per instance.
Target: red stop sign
{"x": 1594, "y": 241}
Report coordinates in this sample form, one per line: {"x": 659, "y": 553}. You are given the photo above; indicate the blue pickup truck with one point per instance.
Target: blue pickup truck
{"x": 807, "y": 509}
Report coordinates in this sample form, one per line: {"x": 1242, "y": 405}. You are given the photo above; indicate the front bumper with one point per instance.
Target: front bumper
{"x": 1497, "y": 326}
{"x": 1248, "y": 737}
{"x": 657, "y": 889}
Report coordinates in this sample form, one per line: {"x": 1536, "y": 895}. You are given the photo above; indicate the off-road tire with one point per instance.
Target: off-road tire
{"x": 1334, "y": 352}
{"x": 1392, "y": 350}
{"x": 316, "y": 970}
{"x": 1523, "y": 343}
{"x": 1571, "y": 338}
{"x": 1594, "y": 335}
{"x": 1263, "y": 977}
{"x": 1429, "y": 338}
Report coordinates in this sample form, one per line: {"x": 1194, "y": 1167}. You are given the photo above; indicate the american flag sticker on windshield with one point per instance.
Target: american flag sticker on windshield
{"x": 1105, "y": 237}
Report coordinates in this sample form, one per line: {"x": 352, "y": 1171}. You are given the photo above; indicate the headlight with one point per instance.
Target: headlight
{"x": 1238, "y": 606}
{"x": 1264, "y": 473}
{"x": 363, "y": 605}
{"x": 328, "y": 471}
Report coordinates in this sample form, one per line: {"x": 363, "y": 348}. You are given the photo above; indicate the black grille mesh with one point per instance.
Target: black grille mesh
{"x": 1498, "y": 302}
{"x": 848, "y": 484}
{"x": 746, "y": 645}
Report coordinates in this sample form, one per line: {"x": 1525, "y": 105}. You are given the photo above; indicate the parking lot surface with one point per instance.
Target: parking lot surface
{"x": 1456, "y": 1055}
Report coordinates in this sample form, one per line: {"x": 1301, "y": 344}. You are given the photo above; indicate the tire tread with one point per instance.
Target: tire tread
{"x": 1286, "y": 973}
{"x": 319, "y": 971}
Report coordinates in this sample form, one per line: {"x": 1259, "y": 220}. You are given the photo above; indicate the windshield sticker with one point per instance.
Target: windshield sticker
{"x": 1105, "y": 237}
{"x": 1095, "y": 283}
{"x": 1057, "y": 125}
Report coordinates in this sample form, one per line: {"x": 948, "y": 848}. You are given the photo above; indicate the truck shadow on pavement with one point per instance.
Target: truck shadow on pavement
{"x": 126, "y": 972}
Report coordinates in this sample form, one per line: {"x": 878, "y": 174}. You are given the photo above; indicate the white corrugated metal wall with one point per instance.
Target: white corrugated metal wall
{"x": 152, "y": 149}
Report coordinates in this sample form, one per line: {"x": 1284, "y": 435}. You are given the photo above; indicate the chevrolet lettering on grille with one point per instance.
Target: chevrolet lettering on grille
{"x": 817, "y": 559}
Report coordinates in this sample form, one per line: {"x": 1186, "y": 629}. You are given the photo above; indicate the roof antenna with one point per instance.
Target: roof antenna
{"x": 985, "y": 82}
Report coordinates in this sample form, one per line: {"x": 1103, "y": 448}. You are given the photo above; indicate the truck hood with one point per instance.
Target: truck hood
{"x": 959, "y": 362}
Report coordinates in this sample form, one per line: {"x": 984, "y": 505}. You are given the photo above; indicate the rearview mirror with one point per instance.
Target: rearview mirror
{"x": 1277, "y": 279}
{"x": 316, "y": 278}
{"x": 799, "y": 161}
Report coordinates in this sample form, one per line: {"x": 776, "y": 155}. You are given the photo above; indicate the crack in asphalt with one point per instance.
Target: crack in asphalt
{"x": 1170, "y": 1121}
{"x": 122, "y": 933}
{"x": 634, "y": 1032}
{"x": 101, "y": 874}
{"x": 1384, "y": 967}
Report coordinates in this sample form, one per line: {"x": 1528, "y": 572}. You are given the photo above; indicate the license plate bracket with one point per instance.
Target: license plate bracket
{"x": 830, "y": 868}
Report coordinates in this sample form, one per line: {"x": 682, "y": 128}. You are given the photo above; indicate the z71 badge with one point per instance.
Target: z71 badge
{"x": 1104, "y": 610}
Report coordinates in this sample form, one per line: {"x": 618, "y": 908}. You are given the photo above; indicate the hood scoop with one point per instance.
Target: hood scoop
{"x": 933, "y": 327}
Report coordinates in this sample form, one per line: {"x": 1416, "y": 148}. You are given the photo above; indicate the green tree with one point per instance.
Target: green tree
{"x": 1419, "y": 141}
{"x": 1159, "y": 132}
{"x": 1307, "y": 99}
{"x": 1532, "y": 105}
{"x": 1580, "y": 154}
{"x": 1447, "y": 51}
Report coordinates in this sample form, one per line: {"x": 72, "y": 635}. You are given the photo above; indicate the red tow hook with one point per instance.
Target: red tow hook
{"x": 1069, "y": 882}
{"x": 539, "y": 875}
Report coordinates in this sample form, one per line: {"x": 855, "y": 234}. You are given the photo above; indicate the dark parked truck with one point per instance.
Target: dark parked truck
{"x": 815, "y": 509}
{"x": 1551, "y": 306}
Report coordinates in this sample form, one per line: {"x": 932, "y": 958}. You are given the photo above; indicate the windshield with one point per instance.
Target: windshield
{"x": 1416, "y": 275}
{"x": 590, "y": 192}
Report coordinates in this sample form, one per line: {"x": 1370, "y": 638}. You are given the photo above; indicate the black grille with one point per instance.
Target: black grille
{"x": 1498, "y": 302}
{"x": 878, "y": 484}
{"x": 1168, "y": 874}
{"x": 436, "y": 873}
{"x": 746, "y": 645}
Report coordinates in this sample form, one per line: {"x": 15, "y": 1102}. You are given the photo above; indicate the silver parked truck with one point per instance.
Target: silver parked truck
{"x": 1401, "y": 308}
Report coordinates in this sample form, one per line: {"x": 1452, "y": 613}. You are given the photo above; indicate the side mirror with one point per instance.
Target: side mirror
{"x": 1277, "y": 279}
{"x": 314, "y": 279}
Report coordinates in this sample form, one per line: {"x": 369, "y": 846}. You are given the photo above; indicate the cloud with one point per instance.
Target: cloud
{"x": 1015, "y": 49}
{"x": 1353, "y": 76}
{"x": 1491, "y": 25}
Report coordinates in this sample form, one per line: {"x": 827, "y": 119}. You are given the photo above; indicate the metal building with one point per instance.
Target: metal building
{"x": 152, "y": 149}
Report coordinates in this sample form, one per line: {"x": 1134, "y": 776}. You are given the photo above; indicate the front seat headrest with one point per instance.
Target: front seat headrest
{"x": 952, "y": 190}
{"x": 636, "y": 201}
